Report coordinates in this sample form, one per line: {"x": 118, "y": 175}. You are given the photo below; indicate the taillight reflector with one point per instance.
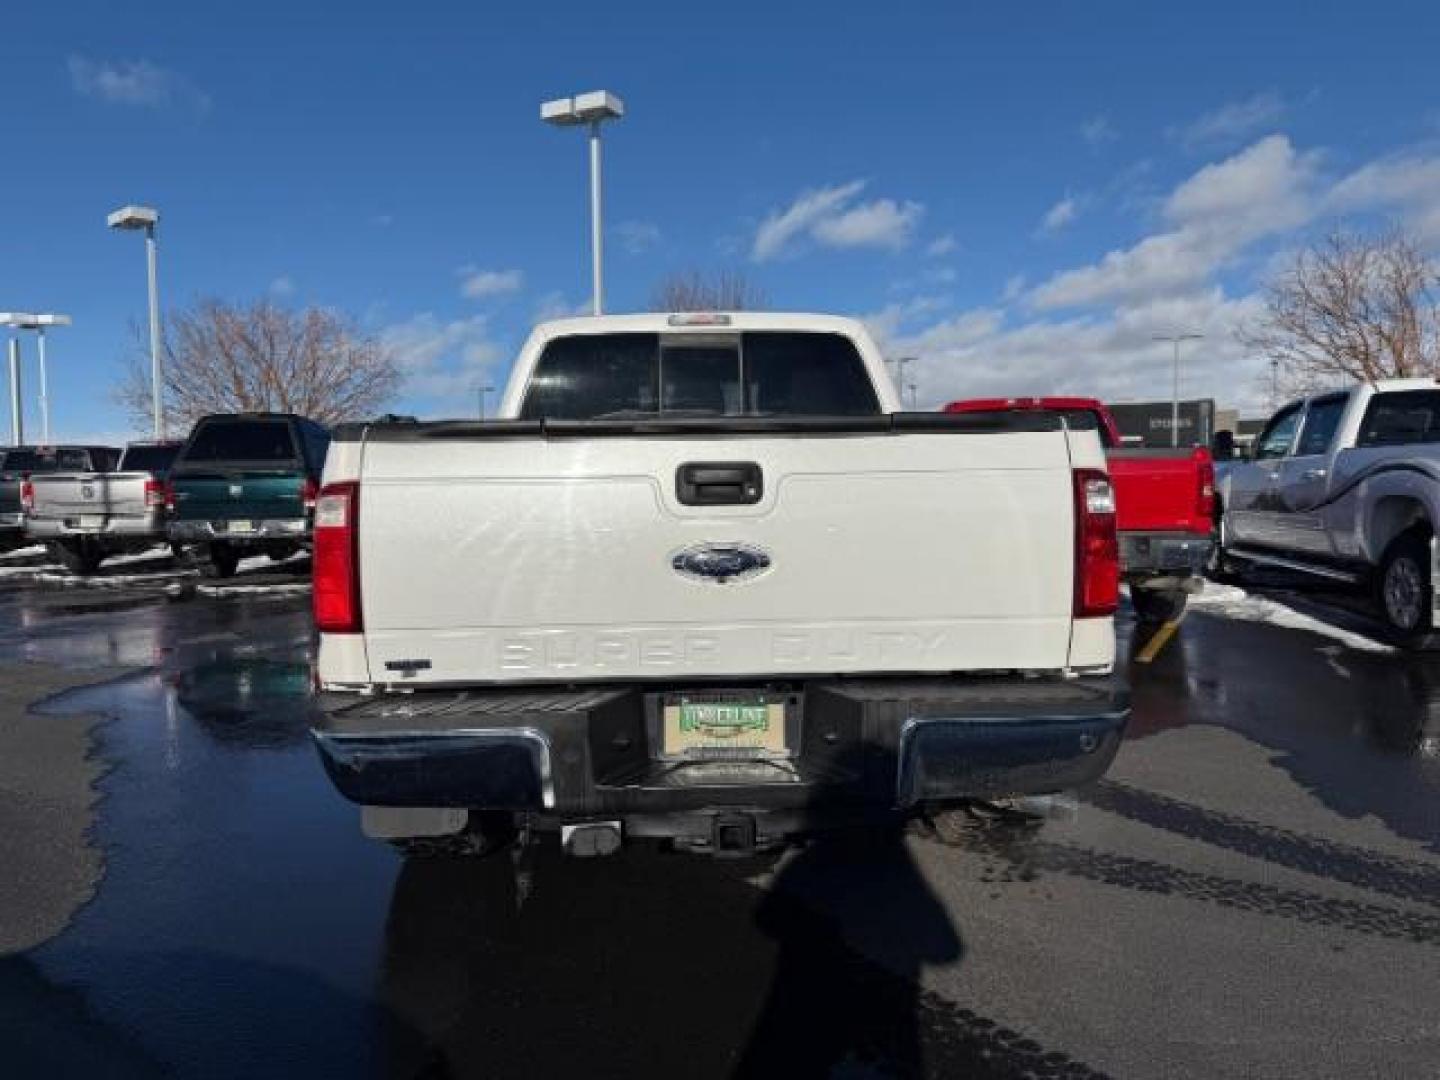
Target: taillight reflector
{"x": 27, "y": 495}
{"x": 155, "y": 497}
{"x": 1097, "y": 547}
{"x": 308, "y": 493}
{"x": 336, "y": 594}
{"x": 1204, "y": 487}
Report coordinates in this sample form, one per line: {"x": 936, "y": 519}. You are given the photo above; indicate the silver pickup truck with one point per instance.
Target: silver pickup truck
{"x": 18, "y": 464}
{"x": 86, "y": 516}
{"x": 1345, "y": 486}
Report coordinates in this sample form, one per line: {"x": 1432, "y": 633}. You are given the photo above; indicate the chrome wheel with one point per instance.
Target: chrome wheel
{"x": 1404, "y": 593}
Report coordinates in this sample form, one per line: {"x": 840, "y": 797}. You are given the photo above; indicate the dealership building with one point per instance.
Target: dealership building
{"x": 1147, "y": 423}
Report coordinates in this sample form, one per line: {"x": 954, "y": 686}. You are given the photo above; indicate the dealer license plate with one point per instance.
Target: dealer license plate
{"x": 241, "y": 527}
{"x": 92, "y": 521}
{"x": 724, "y": 724}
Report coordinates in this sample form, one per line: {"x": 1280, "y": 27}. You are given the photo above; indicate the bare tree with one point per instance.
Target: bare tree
{"x": 1352, "y": 308}
{"x": 691, "y": 290}
{"x": 222, "y": 357}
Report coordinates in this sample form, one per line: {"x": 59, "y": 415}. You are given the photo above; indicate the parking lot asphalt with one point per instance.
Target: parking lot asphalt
{"x": 1253, "y": 891}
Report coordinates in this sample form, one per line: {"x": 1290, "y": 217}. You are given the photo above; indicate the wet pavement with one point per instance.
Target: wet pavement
{"x": 1254, "y": 890}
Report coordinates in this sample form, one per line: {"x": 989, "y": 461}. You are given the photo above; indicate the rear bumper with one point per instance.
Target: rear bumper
{"x": 148, "y": 527}
{"x": 11, "y": 521}
{"x": 208, "y": 531}
{"x": 875, "y": 747}
{"x": 1179, "y": 554}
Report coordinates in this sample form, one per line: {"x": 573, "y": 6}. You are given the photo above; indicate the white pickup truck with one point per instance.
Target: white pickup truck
{"x": 1345, "y": 486}
{"x": 703, "y": 580}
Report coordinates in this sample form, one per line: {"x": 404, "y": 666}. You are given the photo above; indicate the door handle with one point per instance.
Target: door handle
{"x": 1313, "y": 474}
{"x": 724, "y": 483}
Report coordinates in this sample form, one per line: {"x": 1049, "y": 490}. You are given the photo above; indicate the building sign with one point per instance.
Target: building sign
{"x": 1147, "y": 423}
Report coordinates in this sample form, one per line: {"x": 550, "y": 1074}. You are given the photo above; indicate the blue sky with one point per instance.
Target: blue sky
{"x": 1020, "y": 195}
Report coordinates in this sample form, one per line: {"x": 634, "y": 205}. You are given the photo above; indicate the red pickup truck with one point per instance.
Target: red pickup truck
{"x": 1165, "y": 501}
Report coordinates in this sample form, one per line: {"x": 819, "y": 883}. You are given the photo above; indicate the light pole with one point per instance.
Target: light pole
{"x": 592, "y": 109}
{"x": 1176, "y": 339}
{"x": 136, "y": 218}
{"x": 17, "y": 408}
{"x": 22, "y": 320}
{"x": 488, "y": 388}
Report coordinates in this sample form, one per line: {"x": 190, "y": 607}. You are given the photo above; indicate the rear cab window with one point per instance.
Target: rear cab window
{"x": 1403, "y": 418}
{"x": 151, "y": 459}
{"x": 259, "y": 441}
{"x": 28, "y": 461}
{"x": 752, "y": 373}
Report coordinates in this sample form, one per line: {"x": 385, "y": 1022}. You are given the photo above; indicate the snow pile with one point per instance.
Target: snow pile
{"x": 1230, "y": 602}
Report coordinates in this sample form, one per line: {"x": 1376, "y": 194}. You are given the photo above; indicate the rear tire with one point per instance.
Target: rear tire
{"x": 1403, "y": 590}
{"x": 1155, "y": 606}
{"x": 80, "y": 559}
{"x": 223, "y": 561}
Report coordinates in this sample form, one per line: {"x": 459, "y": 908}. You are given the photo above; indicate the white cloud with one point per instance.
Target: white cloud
{"x": 883, "y": 223}
{"x": 1409, "y": 183}
{"x": 1233, "y": 121}
{"x": 282, "y": 286}
{"x": 1014, "y": 288}
{"x": 637, "y": 237}
{"x": 1114, "y": 357}
{"x": 830, "y": 216}
{"x": 556, "y": 305}
{"x": 477, "y": 284}
{"x": 941, "y": 245}
{"x": 1098, "y": 130}
{"x": 133, "y": 82}
{"x": 1263, "y": 190}
{"x": 1060, "y": 215}
{"x": 443, "y": 361}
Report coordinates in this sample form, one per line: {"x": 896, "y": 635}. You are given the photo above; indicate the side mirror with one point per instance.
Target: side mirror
{"x": 1222, "y": 446}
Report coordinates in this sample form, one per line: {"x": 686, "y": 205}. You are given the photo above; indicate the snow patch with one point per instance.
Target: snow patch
{"x": 1232, "y": 602}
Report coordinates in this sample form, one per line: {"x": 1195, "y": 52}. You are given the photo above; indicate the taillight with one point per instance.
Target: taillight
{"x": 336, "y": 596}
{"x": 155, "y": 496}
{"x": 1097, "y": 548}
{"x": 1204, "y": 486}
{"x": 27, "y": 495}
{"x": 308, "y": 493}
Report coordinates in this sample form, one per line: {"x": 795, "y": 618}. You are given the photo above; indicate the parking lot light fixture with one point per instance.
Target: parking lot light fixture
{"x": 591, "y": 109}
{"x": 144, "y": 218}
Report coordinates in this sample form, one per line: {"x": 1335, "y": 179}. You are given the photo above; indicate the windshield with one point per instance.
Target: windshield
{"x": 758, "y": 373}
{"x": 242, "y": 440}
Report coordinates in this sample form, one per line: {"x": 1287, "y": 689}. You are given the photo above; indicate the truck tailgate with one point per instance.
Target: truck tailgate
{"x": 1159, "y": 490}
{"x": 75, "y": 495}
{"x": 538, "y": 558}
{"x": 222, "y": 495}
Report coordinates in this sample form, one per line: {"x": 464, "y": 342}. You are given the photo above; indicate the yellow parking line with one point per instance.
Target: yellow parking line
{"x": 1158, "y": 641}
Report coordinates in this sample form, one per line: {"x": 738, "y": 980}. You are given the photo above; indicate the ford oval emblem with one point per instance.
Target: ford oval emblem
{"x": 720, "y": 563}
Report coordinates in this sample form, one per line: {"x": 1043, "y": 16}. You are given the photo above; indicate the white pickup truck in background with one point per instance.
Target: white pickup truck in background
{"x": 703, "y": 580}
{"x": 1345, "y": 486}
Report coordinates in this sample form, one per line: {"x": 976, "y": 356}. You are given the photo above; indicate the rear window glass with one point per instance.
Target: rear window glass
{"x": 1402, "y": 418}
{"x": 152, "y": 459}
{"x": 27, "y": 461}
{"x": 242, "y": 440}
{"x": 626, "y": 376}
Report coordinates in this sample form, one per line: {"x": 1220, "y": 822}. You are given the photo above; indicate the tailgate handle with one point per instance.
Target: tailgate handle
{"x": 719, "y": 483}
